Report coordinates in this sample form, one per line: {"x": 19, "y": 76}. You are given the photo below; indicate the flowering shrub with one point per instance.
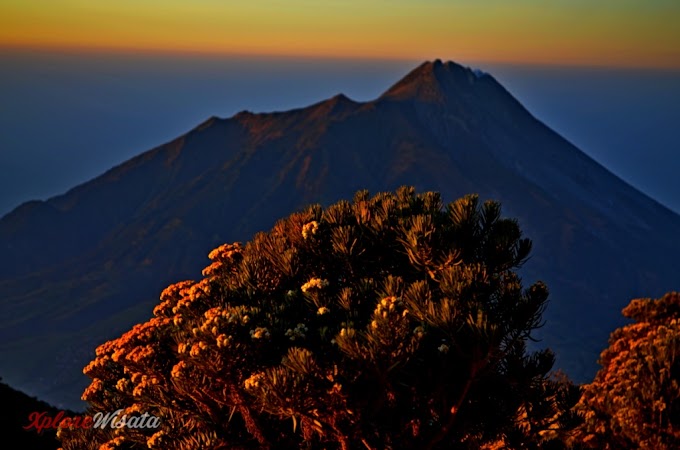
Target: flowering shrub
{"x": 634, "y": 401}
{"x": 386, "y": 322}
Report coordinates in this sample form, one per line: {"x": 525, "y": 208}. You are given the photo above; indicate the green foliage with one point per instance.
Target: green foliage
{"x": 386, "y": 322}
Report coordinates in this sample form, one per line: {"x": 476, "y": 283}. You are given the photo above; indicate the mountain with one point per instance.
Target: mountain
{"x": 84, "y": 266}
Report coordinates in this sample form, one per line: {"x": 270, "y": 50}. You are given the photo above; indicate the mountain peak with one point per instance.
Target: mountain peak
{"x": 341, "y": 98}
{"x": 337, "y": 106}
{"x": 433, "y": 81}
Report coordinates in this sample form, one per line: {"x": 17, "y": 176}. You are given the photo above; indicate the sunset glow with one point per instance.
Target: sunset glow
{"x": 609, "y": 32}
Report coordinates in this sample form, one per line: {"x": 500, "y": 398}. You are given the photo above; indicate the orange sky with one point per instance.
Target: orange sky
{"x": 606, "y": 32}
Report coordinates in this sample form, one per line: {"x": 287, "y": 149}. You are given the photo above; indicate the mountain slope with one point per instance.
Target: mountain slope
{"x": 84, "y": 266}
{"x": 19, "y": 412}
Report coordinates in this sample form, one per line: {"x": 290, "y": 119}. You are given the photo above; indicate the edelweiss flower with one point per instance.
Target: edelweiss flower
{"x": 94, "y": 388}
{"x": 196, "y": 349}
{"x": 314, "y": 283}
{"x": 113, "y": 444}
{"x": 310, "y": 229}
{"x": 348, "y": 332}
{"x": 298, "y": 332}
{"x": 123, "y": 384}
{"x": 223, "y": 341}
{"x": 212, "y": 269}
{"x": 173, "y": 291}
{"x": 253, "y": 381}
{"x": 225, "y": 251}
{"x": 259, "y": 333}
{"x": 387, "y": 304}
{"x": 177, "y": 369}
{"x": 155, "y": 439}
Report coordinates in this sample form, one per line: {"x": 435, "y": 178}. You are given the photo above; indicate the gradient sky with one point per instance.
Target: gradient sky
{"x": 638, "y": 33}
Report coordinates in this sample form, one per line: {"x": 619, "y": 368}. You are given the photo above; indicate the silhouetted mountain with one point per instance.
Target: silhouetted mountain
{"x": 84, "y": 266}
{"x": 18, "y": 413}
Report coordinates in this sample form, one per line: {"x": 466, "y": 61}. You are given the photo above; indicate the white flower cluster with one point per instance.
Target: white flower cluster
{"x": 298, "y": 332}
{"x": 310, "y": 229}
{"x": 259, "y": 333}
{"x": 253, "y": 381}
{"x": 236, "y": 317}
{"x": 314, "y": 283}
{"x": 349, "y": 332}
{"x": 223, "y": 341}
{"x": 387, "y": 305}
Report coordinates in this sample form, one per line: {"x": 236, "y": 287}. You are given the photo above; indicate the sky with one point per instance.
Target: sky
{"x": 614, "y": 33}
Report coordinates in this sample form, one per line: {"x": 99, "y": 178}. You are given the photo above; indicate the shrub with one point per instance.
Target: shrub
{"x": 385, "y": 322}
{"x": 634, "y": 401}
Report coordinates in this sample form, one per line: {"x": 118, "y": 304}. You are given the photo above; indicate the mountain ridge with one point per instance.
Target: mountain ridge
{"x": 425, "y": 67}
{"x": 114, "y": 242}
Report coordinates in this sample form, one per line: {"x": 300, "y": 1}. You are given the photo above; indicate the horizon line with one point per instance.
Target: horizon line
{"x": 211, "y": 53}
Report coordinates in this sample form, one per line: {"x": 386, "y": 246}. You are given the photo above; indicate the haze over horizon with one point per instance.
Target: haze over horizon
{"x": 611, "y": 33}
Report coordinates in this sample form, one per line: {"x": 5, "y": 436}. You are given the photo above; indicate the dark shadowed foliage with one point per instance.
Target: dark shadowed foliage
{"x": 387, "y": 322}
{"x": 18, "y": 412}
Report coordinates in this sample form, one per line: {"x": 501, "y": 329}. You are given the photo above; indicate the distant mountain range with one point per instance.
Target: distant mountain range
{"x": 83, "y": 267}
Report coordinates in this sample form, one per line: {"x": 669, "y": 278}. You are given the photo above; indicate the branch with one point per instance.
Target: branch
{"x": 446, "y": 428}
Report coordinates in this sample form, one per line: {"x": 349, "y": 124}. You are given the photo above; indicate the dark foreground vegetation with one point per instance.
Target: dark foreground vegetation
{"x": 16, "y": 413}
{"x": 388, "y": 322}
